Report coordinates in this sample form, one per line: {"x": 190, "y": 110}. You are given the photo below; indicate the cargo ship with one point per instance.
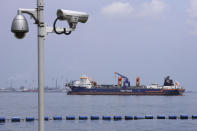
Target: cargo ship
{"x": 86, "y": 86}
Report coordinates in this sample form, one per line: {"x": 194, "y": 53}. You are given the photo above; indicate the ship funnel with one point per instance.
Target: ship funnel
{"x": 138, "y": 81}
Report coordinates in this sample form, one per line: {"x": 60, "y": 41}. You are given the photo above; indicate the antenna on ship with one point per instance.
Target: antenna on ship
{"x": 115, "y": 78}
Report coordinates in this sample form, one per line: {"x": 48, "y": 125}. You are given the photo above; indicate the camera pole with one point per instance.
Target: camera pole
{"x": 41, "y": 35}
{"x": 20, "y": 28}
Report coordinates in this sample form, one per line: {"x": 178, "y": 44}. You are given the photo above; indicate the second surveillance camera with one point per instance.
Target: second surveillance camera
{"x": 73, "y": 17}
{"x": 19, "y": 26}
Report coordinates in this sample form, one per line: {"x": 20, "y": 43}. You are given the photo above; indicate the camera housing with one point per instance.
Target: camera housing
{"x": 19, "y": 26}
{"x": 72, "y": 17}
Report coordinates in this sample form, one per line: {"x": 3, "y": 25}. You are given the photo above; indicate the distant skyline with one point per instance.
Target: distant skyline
{"x": 146, "y": 38}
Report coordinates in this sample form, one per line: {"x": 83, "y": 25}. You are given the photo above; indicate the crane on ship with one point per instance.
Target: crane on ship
{"x": 126, "y": 81}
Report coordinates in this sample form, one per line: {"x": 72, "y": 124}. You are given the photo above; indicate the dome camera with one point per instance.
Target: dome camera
{"x": 19, "y": 26}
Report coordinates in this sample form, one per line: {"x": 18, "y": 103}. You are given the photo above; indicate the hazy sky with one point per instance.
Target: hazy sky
{"x": 146, "y": 38}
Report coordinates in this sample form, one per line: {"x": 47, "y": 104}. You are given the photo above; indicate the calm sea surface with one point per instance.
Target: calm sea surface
{"x": 60, "y": 104}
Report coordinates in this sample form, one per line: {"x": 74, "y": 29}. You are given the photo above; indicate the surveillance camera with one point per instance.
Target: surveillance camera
{"x": 19, "y": 26}
{"x": 73, "y": 17}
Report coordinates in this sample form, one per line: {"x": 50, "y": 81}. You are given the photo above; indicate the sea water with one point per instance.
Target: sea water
{"x": 59, "y": 104}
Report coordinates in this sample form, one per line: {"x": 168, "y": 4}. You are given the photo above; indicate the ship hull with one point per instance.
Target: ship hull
{"x": 126, "y": 91}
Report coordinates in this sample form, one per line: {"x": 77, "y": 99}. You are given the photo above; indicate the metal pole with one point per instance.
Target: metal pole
{"x": 40, "y": 14}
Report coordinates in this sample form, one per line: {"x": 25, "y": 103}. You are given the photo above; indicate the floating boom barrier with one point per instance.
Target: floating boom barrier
{"x": 115, "y": 118}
